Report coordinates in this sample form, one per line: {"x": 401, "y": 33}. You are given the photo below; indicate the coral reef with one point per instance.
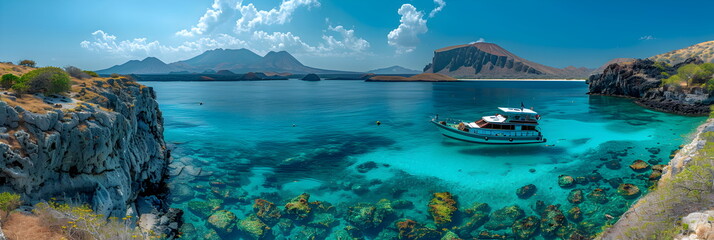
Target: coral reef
{"x": 526, "y": 191}
{"x": 442, "y": 208}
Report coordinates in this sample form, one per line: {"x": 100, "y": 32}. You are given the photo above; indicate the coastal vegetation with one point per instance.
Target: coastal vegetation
{"x": 691, "y": 75}
{"x": 27, "y": 63}
{"x": 48, "y": 80}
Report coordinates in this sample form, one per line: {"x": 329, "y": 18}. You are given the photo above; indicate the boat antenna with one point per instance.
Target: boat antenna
{"x": 522, "y": 106}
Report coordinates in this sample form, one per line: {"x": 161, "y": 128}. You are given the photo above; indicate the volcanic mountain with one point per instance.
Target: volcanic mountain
{"x": 235, "y": 60}
{"x": 394, "y": 70}
{"x": 488, "y": 60}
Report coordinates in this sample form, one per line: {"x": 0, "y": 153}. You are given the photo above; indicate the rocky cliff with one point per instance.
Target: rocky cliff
{"x": 641, "y": 79}
{"x": 107, "y": 150}
{"x": 488, "y": 60}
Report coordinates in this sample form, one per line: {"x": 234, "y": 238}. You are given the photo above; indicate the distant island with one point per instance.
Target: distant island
{"x": 424, "y": 77}
{"x": 394, "y": 70}
{"x": 488, "y": 60}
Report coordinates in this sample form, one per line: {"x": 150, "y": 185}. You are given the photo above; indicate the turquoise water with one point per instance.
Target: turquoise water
{"x": 278, "y": 139}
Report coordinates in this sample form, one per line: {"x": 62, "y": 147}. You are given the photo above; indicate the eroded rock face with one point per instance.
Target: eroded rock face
{"x": 641, "y": 79}
{"x": 106, "y": 154}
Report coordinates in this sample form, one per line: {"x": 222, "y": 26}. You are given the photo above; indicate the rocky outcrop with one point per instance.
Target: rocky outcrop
{"x": 488, "y": 60}
{"x": 311, "y": 77}
{"x": 107, "y": 151}
{"x": 642, "y": 79}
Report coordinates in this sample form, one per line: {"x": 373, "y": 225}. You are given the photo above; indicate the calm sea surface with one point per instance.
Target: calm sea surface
{"x": 277, "y": 139}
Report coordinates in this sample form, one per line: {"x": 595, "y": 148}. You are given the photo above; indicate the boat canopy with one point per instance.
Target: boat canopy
{"x": 518, "y": 110}
{"x": 494, "y": 119}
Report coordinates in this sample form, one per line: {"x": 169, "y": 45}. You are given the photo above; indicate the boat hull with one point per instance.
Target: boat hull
{"x": 451, "y": 132}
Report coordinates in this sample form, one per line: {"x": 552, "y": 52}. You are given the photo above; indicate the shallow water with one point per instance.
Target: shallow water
{"x": 277, "y": 139}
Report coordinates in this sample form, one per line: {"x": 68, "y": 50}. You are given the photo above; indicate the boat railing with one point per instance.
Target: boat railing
{"x": 509, "y": 133}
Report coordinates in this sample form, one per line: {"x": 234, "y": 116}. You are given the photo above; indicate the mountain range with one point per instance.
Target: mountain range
{"x": 703, "y": 51}
{"x": 488, "y": 60}
{"x": 233, "y": 60}
{"x": 394, "y": 70}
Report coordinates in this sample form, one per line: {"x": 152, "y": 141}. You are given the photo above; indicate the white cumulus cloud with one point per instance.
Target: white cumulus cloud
{"x": 439, "y": 6}
{"x": 480, "y": 40}
{"x": 252, "y": 17}
{"x": 347, "y": 42}
{"x": 141, "y": 47}
{"x": 405, "y": 36}
{"x": 220, "y": 11}
{"x": 648, "y": 37}
{"x": 279, "y": 41}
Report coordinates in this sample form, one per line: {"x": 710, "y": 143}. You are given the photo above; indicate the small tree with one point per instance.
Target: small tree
{"x": 114, "y": 75}
{"x": 8, "y": 80}
{"x": 9, "y": 202}
{"x": 76, "y": 72}
{"x": 27, "y": 62}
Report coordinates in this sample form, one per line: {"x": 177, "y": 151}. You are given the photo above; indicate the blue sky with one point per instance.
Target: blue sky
{"x": 346, "y": 34}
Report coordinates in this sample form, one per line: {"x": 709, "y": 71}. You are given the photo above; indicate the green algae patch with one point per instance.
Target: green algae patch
{"x": 442, "y": 208}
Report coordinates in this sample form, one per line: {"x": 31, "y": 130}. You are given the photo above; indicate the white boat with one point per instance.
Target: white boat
{"x": 510, "y": 126}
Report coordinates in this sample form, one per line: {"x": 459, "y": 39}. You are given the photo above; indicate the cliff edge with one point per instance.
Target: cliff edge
{"x": 102, "y": 144}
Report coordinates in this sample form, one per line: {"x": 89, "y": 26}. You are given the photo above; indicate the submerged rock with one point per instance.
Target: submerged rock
{"x": 598, "y": 195}
{"x": 628, "y": 191}
{"x": 574, "y": 214}
{"x": 323, "y": 220}
{"x": 526, "y": 228}
{"x": 202, "y": 209}
{"x": 594, "y": 177}
{"x": 575, "y": 196}
{"x": 266, "y": 211}
{"x": 449, "y": 235}
{"x": 565, "y": 181}
{"x": 475, "y": 217}
{"x": 639, "y": 166}
{"x": 253, "y": 228}
{"x": 310, "y": 233}
{"x": 222, "y": 221}
{"x": 656, "y": 172}
{"x": 477, "y": 207}
{"x": 526, "y": 191}
{"x": 366, "y": 167}
{"x": 298, "y": 208}
{"x": 552, "y": 220}
{"x": 504, "y": 217}
{"x": 411, "y": 230}
{"x": 369, "y": 216}
{"x": 402, "y": 204}
{"x": 442, "y": 208}
{"x": 614, "y": 164}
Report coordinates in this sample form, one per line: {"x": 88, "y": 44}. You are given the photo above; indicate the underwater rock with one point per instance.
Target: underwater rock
{"x": 581, "y": 180}
{"x": 369, "y": 216}
{"x": 211, "y": 234}
{"x": 653, "y": 150}
{"x": 656, "y": 172}
{"x": 575, "y": 196}
{"x": 598, "y": 195}
{"x": 188, "y": 229}
{"x": 628, "y": 191}
{"x": 359, "y": 189}
{"x": 594, "y": 177}
{"x": 504, "y": 217}
{"x": 344, "y": 234}
{"x": 526, "y": 191}
{"x": 526, "y": 228}
{"x": 366, "y": 167}
{"x": 298, "y": 208}
{"x": 574, "y": 214}
{"x": 253, "y": 228}
{"x": 387, "y": 234}
{"x": 565, "y": 181}
{"x": 477, "y": 207}
{"x": 180, "y": 192}
{"x": 540, "y": 207}
{"x": 310, "y": 233}
{"x": 490, "y": 235}
{"x": 322, "y": 207}
{"x": 266, "y": 211}
{"x": 614, "y": 164}
{"x": 552, "y": 220}
{"x": 402, "y": 204}
{"x": 442, "y": 208}
{"x": 285, "y": 225}
{"x": 232, "y": 195}
{"x": 411, "y": 230}
{"x": 222, "y": 221}
{"x": 639, "y": 166}
{"x": 323, "y": 220}
{"x": 614, "y": 182}
{"x": 449, "y": 235}
{"x": 202, "y": 209}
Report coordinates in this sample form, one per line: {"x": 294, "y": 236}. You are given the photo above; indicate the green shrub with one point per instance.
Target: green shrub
{"x": 114, "y": 75}
{"x": 27, "y": 62}
{"x": 49, "y": 80}
{"x": 9, "y": 202}
{"x": 8, "y": 80}
{"x": 90, "y": 73}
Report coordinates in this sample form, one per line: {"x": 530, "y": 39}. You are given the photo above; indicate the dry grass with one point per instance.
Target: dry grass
{"x": 30, "y": 103}
{"x": 14, "y": 69}
{"x": 28, "y": 227}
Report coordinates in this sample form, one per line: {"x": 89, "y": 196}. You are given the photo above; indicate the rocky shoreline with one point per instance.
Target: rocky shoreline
{"x": 107, "y": 151}
{"x": 656, "y": 214}
{"x": 642, "y": 80}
